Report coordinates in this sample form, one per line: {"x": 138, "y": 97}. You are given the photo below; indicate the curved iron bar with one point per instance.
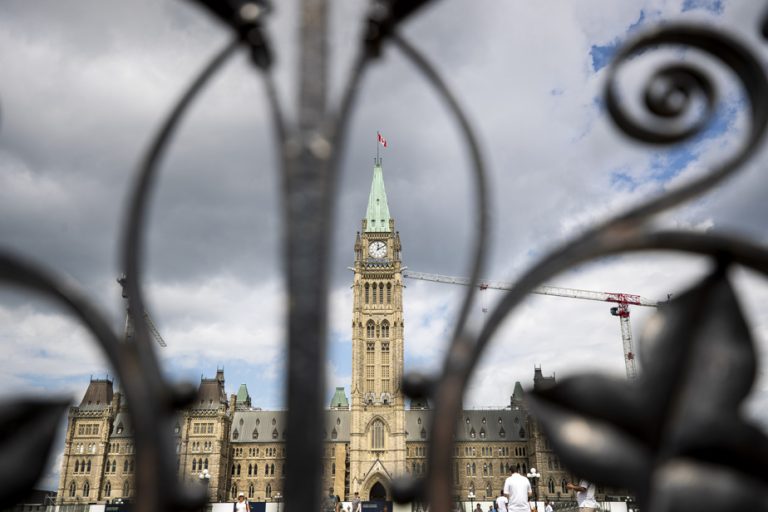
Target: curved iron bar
{"x": 156, "y": 484}
{"x": 19, "y": 270}
{"x": 443, "y": 421}
{"x": 628, "y": 231}
{"x": 730, "y": 52}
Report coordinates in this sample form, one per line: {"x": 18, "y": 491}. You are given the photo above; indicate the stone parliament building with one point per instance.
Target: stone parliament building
{"x": 371, "y": 436}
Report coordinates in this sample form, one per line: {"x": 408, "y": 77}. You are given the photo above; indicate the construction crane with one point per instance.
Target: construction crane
{"x": 129, "y": 319}
{"x": 620, "y": 310}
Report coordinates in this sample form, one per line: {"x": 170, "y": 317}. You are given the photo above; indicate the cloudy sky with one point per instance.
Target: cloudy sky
{"x": 85, "y": 84}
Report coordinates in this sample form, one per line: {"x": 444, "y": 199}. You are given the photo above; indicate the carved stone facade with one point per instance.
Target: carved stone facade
{"x": 371, "y": 437}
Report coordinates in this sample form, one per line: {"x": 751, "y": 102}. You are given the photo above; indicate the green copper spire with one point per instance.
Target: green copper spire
{"x": 243, "y": 398}
{"x": 377, "y": 214}
{"x": 339, "y": 400}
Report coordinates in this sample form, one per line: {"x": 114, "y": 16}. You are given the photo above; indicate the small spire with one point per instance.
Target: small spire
{"x": 377, "y": 214}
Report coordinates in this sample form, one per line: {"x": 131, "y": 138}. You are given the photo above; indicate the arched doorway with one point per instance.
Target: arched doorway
{"x": 378, "y": 492}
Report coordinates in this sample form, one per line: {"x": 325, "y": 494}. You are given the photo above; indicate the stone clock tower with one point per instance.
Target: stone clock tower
{"x": 377, "y": 430}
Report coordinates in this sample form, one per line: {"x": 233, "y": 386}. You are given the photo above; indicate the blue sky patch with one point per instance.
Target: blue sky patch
{"x": 622, "y": 180}
{"x": 713, "y": 6}
{"x": 602, "y": 54}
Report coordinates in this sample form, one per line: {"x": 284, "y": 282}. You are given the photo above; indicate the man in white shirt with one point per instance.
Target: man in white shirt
{"x": 585, "y": 495}
{"x": 501, "y": 502}
{"x": 517, "y": 489}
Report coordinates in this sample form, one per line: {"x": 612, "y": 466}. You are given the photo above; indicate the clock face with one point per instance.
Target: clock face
{"x": 377, "y": 249}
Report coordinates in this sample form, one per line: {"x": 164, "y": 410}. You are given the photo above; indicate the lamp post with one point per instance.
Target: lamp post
{"x": 278, "y": 497}
{"x": 534, "y": 475}
{"x": 205, "y": 478}
{"x": 471, "y": 497}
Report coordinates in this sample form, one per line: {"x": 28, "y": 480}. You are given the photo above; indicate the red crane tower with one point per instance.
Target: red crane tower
{"x": 621, "y": 309}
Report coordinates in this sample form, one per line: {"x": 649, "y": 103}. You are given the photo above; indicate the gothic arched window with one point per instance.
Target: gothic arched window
{"x": 194, "y": 464}
{"x": 385, "y": 329}
{"x": 250, "y": 490}
{"x": 205, "y": 465}
{"x": 269, "y": 490}
{"x": 377, "y": 435}
{"x": 381, "y": 293}
{"x": 370, "y": 328}
{"x": 108, "y": 489}
{"x": 389, "y": 293}
{"x": 125, "y": 466}
{"x": 551, "y": 486}
{"x": 86, "y": 488}
{"x": 77, "y": 466}
{"x": 367, "y": 291}
{"x": 126, "y": 488}
{"x": 72, "y": 489}
{"x": 564, "y": 485}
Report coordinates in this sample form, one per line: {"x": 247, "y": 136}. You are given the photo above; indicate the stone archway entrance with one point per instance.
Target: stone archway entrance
{"x": 378, "y": 492}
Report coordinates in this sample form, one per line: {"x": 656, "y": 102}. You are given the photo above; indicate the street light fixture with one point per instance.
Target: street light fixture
{"x": 535, "y": 475}
{"x": 205, "y": 478}
{"x": 471, "y": 497}
{"x": 278, "y": 497}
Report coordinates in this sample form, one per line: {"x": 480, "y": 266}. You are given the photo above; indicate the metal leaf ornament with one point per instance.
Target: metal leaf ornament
{"x": 27, "y": 430}
{"x": 676, "y": 436}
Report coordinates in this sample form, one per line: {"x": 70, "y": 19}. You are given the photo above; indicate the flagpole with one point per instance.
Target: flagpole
{"x": 377, "y": 149}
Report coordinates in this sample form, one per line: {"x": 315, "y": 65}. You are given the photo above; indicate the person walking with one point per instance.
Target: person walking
{"x": 501, "y": 502}
{"x": 548, "y": 506}
{"x": 242, "y": 505}
{"x": 585, "y": 495}
{"x": 518, "y": 490}
{"x": 356, "y": 503}
{"x": 330, "y": 503}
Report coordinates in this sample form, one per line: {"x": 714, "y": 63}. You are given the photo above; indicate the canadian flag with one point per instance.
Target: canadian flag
{"x": 382, "y": 140}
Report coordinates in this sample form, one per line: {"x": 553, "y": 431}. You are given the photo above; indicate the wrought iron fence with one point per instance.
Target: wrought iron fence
{"x": 665, "y": 436}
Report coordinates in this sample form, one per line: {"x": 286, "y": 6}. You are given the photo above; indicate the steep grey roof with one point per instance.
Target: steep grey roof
{"x": 255, "y": 426}
{"x": 338, "y": 421}
{"x": 97, "y": 396}
{"x": 121, "y": 427}
{"x": 258, "y": 426}
{"x": 210, "y": 394}
{"x": 492, "y": 425}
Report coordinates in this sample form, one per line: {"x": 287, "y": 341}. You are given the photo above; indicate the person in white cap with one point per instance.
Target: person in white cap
{"x": 242, "y": 504}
